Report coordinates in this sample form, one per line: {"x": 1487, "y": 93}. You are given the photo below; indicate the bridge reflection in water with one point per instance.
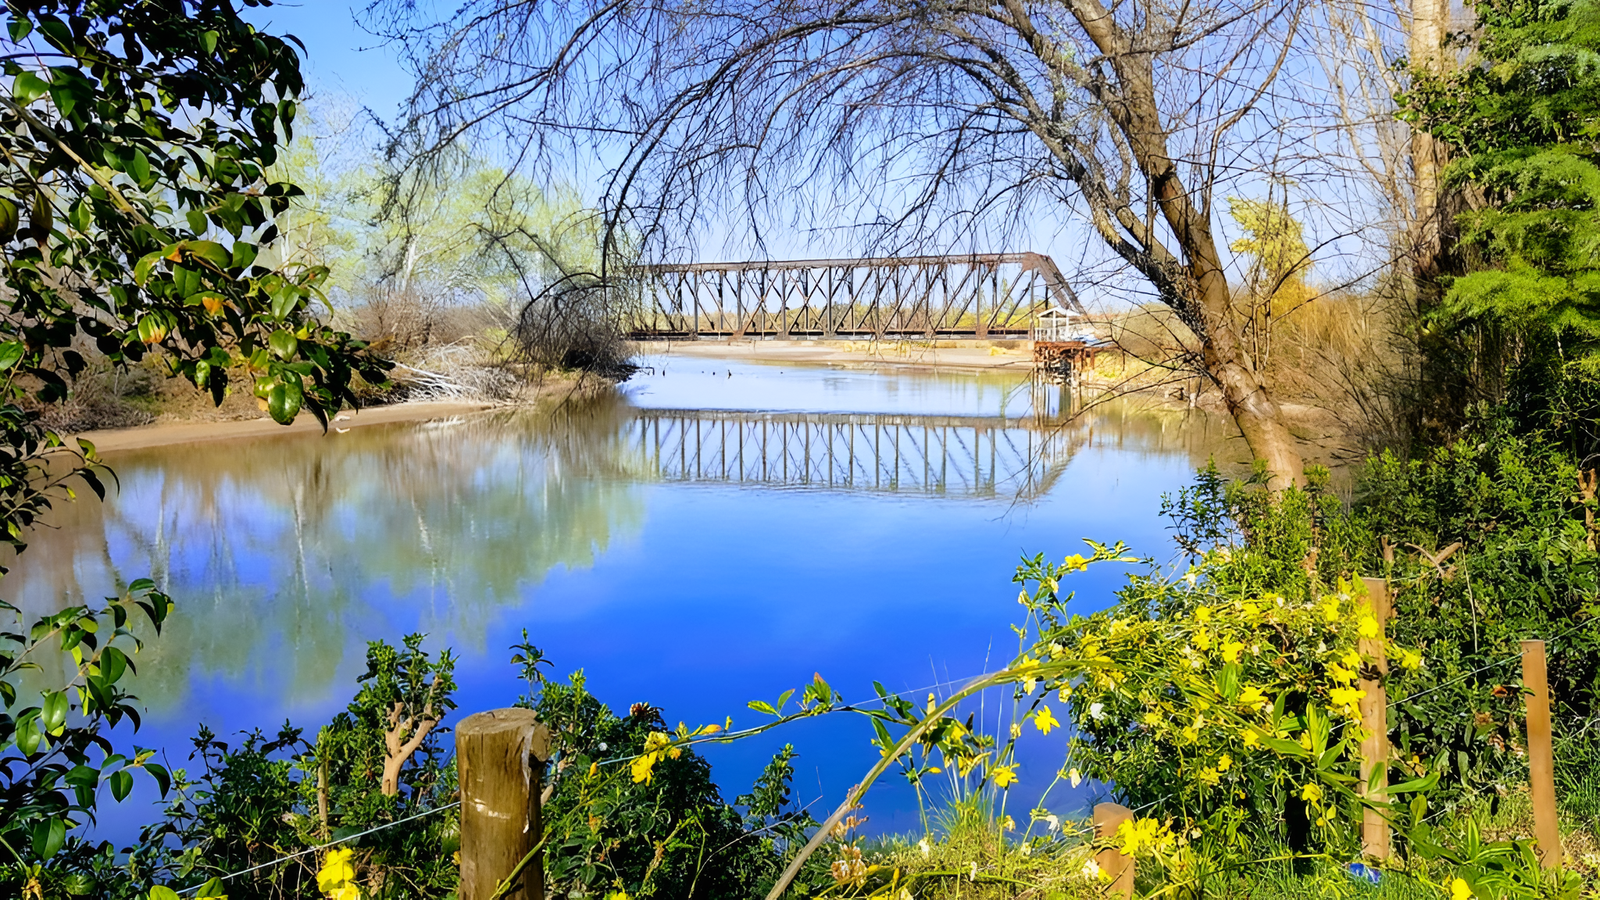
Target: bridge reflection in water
{"x": 947, "y": 456}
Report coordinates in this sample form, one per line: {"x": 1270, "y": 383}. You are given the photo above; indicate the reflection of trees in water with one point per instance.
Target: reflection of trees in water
{"x": 286, "y": 554}
{"x": 1152, "y": 429}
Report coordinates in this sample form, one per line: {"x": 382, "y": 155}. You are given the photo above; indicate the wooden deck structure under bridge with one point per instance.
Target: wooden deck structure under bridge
{"x": 974, "y": 297}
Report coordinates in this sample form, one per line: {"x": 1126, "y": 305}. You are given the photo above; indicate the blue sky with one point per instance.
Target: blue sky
{"x": 340, "y": 58}
{"x": 348, "y": 68}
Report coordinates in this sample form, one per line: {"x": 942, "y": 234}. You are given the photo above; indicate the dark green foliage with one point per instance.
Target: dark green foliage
{"x": 401, "y": 685}
{"x": 671, "y": 836}
{"x": 134, "y": 207}
{"x": 263, "y": 800}
{"x": 241, "y": 810}
{"x": 54, "y": 759}
{"x": 1525, "y": 568}
{"x": 1287, "y": 543}
{"x": 1526, "y": 121}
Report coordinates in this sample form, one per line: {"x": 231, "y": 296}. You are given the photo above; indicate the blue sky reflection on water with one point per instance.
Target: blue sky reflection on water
{"x": 696, "y": 588}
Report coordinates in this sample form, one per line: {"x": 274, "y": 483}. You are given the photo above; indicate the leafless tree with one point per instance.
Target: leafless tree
{"x": 908, "y": 120}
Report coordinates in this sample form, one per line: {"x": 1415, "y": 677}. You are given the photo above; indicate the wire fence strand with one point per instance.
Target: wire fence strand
{"x": 346, "y": 839}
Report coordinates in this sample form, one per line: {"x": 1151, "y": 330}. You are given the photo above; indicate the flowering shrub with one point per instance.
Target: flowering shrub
{"x": 1220, "y": 712}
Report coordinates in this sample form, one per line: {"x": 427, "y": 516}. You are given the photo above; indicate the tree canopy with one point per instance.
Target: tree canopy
{"x": 135, "y": 199}
{"x": 136, "y": 206}
{"x": 1526, "y": 121}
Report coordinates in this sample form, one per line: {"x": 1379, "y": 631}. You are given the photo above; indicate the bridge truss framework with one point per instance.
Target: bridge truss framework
{"x": 984, "y": 296}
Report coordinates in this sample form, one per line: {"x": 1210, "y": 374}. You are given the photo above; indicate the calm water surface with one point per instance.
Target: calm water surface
{"x": 716, "y": 535}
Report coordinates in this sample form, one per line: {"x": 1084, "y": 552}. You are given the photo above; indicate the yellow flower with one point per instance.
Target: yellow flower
{"x": 335, "y": 878}
{"x": 1004, "y": 776}
{"x": 1134, "y": 833}
{"x": 1252, "y": 738}
{"x": 1347, "y": 699}
{"x": 1251, "y": 696}
{"x": 1210, "y": 776}
{"x": 1230, "y": 651}
{"x": 1225, "y": 763}
{"x": 1016, "y": 731}
{"x": 1028, "y": 684}
{"x": 1045, "y": 720}
{"x": 1340, "y": 673}
{"x": 640, "y": 768}
{"x": 656, "y": 745}
{"x": 1367, "y": 627}
{"x": 1311, "y": 793}
{"x": 336, "y": 871}
{"x": 1409, "y": 659}
{"x": 1203, "y": 614}
{"x": 1460, "y": 890}
{"x": 1152, "y": 718}
{"x": 1202, "y": 640}
{"x": 1351, "y": 659}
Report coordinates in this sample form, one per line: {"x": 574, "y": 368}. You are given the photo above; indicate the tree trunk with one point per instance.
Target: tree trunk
{"x": 1197, "y": 287}
{"x": 1257, "y": 415}
{"x": 1429, "y": 23}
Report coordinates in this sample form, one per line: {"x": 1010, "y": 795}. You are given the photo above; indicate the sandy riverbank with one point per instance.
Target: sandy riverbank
{"x": 162, "y": 433}
{"x": 1002, "y": 355}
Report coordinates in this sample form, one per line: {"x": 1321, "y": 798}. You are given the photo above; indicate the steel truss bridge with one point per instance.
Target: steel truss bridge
{"x": 986, "y": 296}
{"x": 946, "y": 456}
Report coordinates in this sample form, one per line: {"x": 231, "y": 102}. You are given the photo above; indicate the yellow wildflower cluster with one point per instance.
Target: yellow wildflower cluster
{"x": 657, "y": 745}
{"x": 1134, "y": 835}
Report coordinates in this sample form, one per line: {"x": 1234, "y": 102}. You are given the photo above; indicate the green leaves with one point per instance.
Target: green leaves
{"x": 283, "y": 344}
{"x": 48, "y": 836}
{"x": 1523, "y": 122}
{"x": 28, "y": 87}
{"x": 772, "y": 709}
{"x": 283, "y": 401}
{"x": 11, "y": 352}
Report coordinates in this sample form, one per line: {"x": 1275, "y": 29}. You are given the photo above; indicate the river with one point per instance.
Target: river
{"x": 716, "y": 534}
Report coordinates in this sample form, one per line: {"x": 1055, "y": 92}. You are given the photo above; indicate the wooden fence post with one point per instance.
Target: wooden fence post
{"x": 1541, "y": 765}
{"x": 500, "y": 757}
{"x": 1375, "y": 721}
{"x": 1114, "y": 864}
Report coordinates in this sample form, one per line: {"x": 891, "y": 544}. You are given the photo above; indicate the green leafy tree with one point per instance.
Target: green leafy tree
{"x": 1526, "y": 122}
{"x": 135, "y": 201}
{"x": 254, "y": 806}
